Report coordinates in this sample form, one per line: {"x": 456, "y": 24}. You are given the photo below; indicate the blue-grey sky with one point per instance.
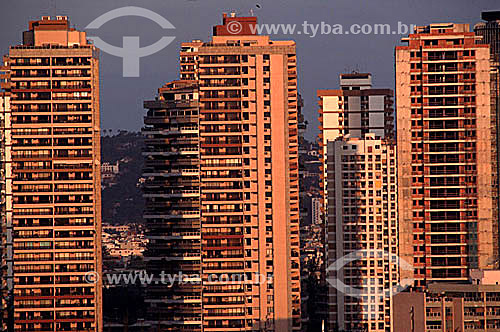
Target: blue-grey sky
{"x": 320, "y": 59}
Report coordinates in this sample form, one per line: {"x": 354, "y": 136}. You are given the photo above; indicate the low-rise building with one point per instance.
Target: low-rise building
{"x": 452, "y": 307}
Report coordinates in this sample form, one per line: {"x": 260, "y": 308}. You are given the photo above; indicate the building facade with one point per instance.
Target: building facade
{"x": 172, "y": 213}
{"x": 445, "y": 156}
{"x": 51, "y": 194}
{"x": 489, "y": 31}
{"x": 362, "y": 224}
{"x": 356, "y": 109}
{"x": 6, "y": 318}
{"x": 232, "y": 123}
{"x": 473, "y": 307}
{"x": 359, "y": 198}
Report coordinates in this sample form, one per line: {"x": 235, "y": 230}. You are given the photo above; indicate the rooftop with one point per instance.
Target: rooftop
{"x": 491, "y": 15}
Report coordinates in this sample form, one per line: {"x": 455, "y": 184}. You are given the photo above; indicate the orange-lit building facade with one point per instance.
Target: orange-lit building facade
{"x": 489, "y": 33}
{"x": 222, "y": 185}
{"x": 446, "y": 154}
{"x": 51, "y": 181}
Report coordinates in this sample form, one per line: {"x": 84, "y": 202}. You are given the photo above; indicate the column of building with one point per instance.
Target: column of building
{"x": 51, "y": 169}
{"x": 248, "y": 179}
{"x": 360, "y": 200}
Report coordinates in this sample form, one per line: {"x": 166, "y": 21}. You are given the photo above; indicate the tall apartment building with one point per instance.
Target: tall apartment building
{"x": 6, "y": 315}
{"x": 489, "y": 31}
{"x": 172, "y": 213}
{"x": 362, "y": 215}
{"x": 359, "y": 197}
{"x": 447, "y": 218}
{"x": 51, "y": 181}
{"x": 222, "y": 186}
{"x": 355, "y": 109}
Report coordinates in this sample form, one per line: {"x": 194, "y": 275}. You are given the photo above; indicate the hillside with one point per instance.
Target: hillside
{"x": 122, "y": 202}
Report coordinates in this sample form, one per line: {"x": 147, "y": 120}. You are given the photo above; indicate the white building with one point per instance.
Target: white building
{"x": 316, "y": 211}
{"x": 110, "y": 168}
{"x": 359, "y": 197}
{"x": 362, "y": 221}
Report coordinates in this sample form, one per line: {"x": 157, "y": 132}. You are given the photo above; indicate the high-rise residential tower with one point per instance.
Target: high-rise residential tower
{"x": 489, "y": 31}
{"x": 446, "y": 154}
{"x": 222, "y": 186}
{"x": 51, "y": 181}
{"x": 6, "y": 315}
{"x": 362, "y": 215}
{"x": 360, "y": 200}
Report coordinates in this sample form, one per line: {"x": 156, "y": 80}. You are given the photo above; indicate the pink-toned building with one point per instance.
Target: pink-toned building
{"x": 222, "y": 185}
{"x": 446, "y": 155}
{"x": 51, "y": 181}
{"x": 489, "y": 33}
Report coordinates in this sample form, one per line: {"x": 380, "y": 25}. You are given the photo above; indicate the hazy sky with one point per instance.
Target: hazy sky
{"x": 320, "y": 59}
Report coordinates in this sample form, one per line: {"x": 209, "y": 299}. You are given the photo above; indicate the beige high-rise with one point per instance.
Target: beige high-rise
{"x": 489, "y": 32}
{"x": 362, "y": 212}
{"x": 360, "y": 200}
{"x": 51, "y": 181}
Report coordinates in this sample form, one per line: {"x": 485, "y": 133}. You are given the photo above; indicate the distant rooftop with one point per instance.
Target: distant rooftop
{"x": 439, "y": 28}
{"x": 356, "y": 75}
{"x": 53, "y": 32}
{"x": 491, "y": 15}
{"x": 49, "y": 23}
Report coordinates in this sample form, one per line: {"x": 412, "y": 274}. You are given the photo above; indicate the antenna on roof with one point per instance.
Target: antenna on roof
{"x": 234, "y": 13}
{"x": 53, "y": 7}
